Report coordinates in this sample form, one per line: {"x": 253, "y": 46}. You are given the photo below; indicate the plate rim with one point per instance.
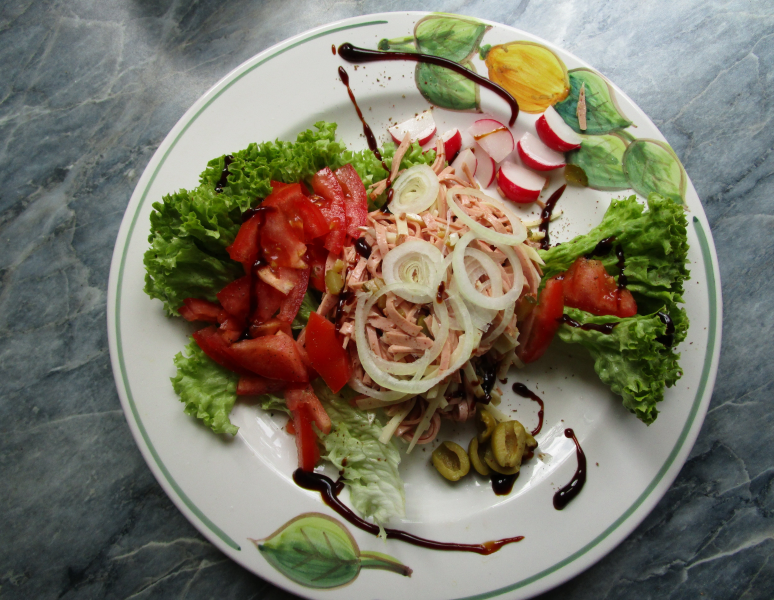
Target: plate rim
{"x": 567, "y": 568}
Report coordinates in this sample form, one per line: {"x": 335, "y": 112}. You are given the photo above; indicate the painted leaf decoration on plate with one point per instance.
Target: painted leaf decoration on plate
{"x": 603, "y": 114}
{"x": 317, "y": 551}
{"x": 530, "y": 72}
{"x": 445, "y": 88}
{"x": 601, "y": 158}
{"x": 652, "y": 166}
{"x": 449, "y": 36}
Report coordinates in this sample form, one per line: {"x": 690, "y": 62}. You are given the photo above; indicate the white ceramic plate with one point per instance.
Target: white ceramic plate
{"x": 235, "y": 490}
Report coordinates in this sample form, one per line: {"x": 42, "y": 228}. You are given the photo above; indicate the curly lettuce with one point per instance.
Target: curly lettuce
{"x": 207, "y": 389}
{"x": 191, "y": 229}
{"x": 637, "y": 359}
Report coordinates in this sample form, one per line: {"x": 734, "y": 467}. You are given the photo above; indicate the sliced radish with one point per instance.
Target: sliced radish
{"x": 494, "y": 137}
{"x": 555, "y": 133}
{"x": 519, "y": 184}
{"x": 536, "y": 155}
{"x": 465, "y": 157}
{"x": 486, "y": 167}
{"x": 421, "y": 129}
{"x": 452, "y": 143}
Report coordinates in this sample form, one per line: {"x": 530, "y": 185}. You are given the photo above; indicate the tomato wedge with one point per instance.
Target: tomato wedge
{"x": 327, "y": 356}
{"x": 306, "y": 438}
{"x": 235, "y": 297}
{"x": 541, "y": 325}
{"x": 325, "y": 184}
{"x": 302, "y": 214}
{"x": 217, "y": 348}
{"x": 194, "y": 309}
{"x": 589, "y": 287}
{"x": 274, "y": 356}
{"x": 295, "y": 397}
{"x": 280, "y": 242}
{"x": 356, "y": 200}
{"x": 255, "y": 385}
{"x": 269, "y": 301}
{"x": 246, "y": 247}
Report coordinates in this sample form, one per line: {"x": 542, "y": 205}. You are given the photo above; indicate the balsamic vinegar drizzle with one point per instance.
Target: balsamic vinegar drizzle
{"x": 545, "y": 216}
{"x": 329, "y": 491}
{"x": 604, "y": 247}
{"x": 369, "y": 135}
{"x": 523, "y": 391}
{"x": 668, "y": 339}
{"x": 563, "y": 497}
{"x": 227, "y": 160}
{"x": 502, "y": 485}
{"x": 362, "y": 247}
{"x": 354, "y": 54}
{"x": 606, "y": 328}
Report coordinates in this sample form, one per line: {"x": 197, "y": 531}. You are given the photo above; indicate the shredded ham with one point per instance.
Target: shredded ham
{"x": 400, "y": 331}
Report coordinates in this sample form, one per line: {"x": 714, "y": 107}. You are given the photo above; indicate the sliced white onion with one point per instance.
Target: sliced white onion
{"x": 468, "y": 290}
{"x": 468, "y": 341}
{"x": 413, "y": 261}
{"x": 487, "y": 233}
{"x": 414, "y": 191}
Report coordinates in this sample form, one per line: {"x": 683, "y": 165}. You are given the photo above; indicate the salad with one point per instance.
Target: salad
{"x": 334, "y": 286}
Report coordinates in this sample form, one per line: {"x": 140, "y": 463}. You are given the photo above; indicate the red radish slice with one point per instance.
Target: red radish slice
{"x": 555, "y": 133}
{"x": 486, "y": 167}
{"x": 494, "y": 137}
{"x": 468, "y": 158}
{"x": 519, "y": 184}
{"x": 421, "y": 129}
{"x": 536, "y": 155}
{"x": 452, "y": 143}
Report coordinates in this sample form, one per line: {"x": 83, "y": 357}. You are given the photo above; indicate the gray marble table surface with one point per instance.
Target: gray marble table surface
{"x": 89, "y": 89}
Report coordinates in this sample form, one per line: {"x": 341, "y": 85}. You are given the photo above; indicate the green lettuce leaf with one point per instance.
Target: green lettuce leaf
{"x": 655, "y": 248}
{"x": 369, "y": 468}
{"x": 191, "y": 229}
{"x": 207, "y": 389}
{"x": 631, "y": 360}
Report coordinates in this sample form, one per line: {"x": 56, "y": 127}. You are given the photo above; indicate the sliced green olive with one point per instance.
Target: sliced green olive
{"x": 489, "y": 459}
{"x": 531, "y": 442}
{"x": 508, "y": 442}
{"x": 476, "y": 459}
{"x": 334, "y": 282}
{"x": 485, "y": 424}
{"x": 451, "y": 460}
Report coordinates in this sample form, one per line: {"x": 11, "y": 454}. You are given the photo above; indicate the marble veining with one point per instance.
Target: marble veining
{"x": 87, "y": 93}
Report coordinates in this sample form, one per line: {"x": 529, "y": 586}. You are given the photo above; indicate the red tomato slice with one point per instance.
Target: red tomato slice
{"x": 295, "y": 397}
{"x": 235, "y": 297}
{"x": 356, "y": 200}
{"x": 269, "y": 300}
{"x": 541, "y": 325}
{"x": 246, "y": 246}
{"x": 316, "y": 257}
{"x": 255, "y": 385}
{"x": 306, "y": 438}
{"x": 194, "y": 309}
{"x": 274, "y": 356}
{"x": 589, "y": 287}
{"x": 217, "y": 348}
{"x": 293, "y": 300}
{"x": 325, "y": 184}
{"x": 327, "y": 356}
{"x": 280, "y": 242}
{"x": 302, "y": 214}
{"x": 270, "y": 327}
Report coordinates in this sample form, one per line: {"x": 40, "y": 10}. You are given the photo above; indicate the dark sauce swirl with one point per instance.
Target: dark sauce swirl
{"x": 227, "y": 160}
{"x": 329, "y": 491}
{"x": 668, "y": 339}
{"x": 354, "y": 54}
{"x": 362, "y": 248}
{"x": 545, "y": 216}
{"x": 606, "y": 328}
{"x": 563, "y": 497}
{"x": 523, "y": 391}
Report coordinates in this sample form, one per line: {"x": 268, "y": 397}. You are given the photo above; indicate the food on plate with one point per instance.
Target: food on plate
{"x": 420, "y": 129}
{"x": 332, "y": 284}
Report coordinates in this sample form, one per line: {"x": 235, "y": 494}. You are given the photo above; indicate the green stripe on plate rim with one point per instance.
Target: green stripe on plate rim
{"x": 711, "y": 283}
{"x": 178, "y": 490}
{"x": 705, "y": 374}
